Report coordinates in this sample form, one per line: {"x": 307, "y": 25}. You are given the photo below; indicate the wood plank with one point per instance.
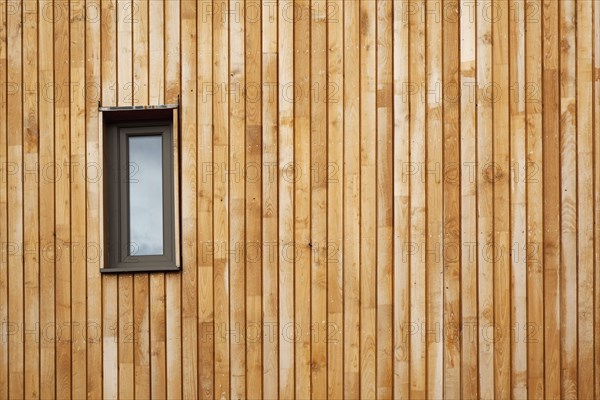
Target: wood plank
{"x": 94, "y": 204}
{"x": 62, "y": 206}
{"x": 368, "y": 201}
{"x": 401, "y": 202}
{"x": 552, "y": 193}
{"x": 384, "y": 191}
{"x": 14, "y": 129}
{"x": 205, "y": 166}
{"x": 253, "y": 212}
{"x": 432, "y": 250}
{"x": 534, "y": 179}
{"x": 351, "y": 243}
{"x": 334, "y": 170}
{"x": 237, "y": 180}
{"x": 568, "y": 200}
{"x": 31, "y": 201}
{"x": 4, "y": 203}
{"x": 316, "y": 175}
{"x": 518, "y": 202}
{"x": 188, "y": 185}
{"x": 158, "y": 362}
{"x": 485, "y": 237}
{"x": 418, "y": 217}
{"x": 270, "y": 203}
{"x": 78, "y": 200}
{"x": 585, "y": 199}
{"x": 301, "y": 179}
{"x": 221, "y": 198}
{"x": 500, "y": 176}
{"x": 285, "y": 147}
{"x": 469, "y": 205}
{"x": 597, "y": 198}
{"x": 452, "y": 211}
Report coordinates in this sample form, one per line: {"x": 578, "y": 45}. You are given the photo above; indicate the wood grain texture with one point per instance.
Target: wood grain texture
{"x": 379, "y": 199}
{"x": 4, "y": 369}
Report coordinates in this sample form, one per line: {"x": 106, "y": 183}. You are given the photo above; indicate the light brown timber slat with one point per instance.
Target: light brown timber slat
{"x": 63, "y": 220}
{"x": 418, "y": 217}
{"x": 221, "y": 198}
{"x": 569, "y": 200}
{"x": 468, "y": 160}
{"x": 401, "y": 288}
{"x": 204, "y": 167}
{"x": 351, "y": 244}
{"x": 252, "y": 174}
{"x": 270, "y": 202}
{"x": 518, "y": 201}
{"x": 188, "y": 209}
{"x": 532, "y": 174}
{"x": 31, "y": 201}
{"x": 485, "y": 231}
{"x": 334, "y": 172}
{"x": 433, "y": 248}
{"x": 384, "y": 190}
{"x": 236, "y": 212}
{"x": 368, "y": 200}
{"x": 317, "y": 178}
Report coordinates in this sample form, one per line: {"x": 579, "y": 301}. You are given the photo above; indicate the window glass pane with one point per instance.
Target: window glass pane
{"x": 145, "y": 196}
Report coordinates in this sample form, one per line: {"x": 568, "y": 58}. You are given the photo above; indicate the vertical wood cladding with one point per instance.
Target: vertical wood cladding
{"x": 379, "y": 198}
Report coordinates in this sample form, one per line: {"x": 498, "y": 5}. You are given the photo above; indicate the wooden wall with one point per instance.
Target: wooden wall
{"x": 379, "y": 199}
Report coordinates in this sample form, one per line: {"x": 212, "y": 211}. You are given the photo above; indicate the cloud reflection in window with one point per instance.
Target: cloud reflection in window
{"x": 145, "y": 195}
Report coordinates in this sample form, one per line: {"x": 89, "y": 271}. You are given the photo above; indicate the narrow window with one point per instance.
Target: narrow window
{"x": 140, "y": 189}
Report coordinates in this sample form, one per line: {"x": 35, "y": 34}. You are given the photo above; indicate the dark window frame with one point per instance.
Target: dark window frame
{"x": 119, "y": 126}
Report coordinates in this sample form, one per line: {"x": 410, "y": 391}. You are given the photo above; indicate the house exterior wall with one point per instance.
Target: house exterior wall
{"x": 378, "y": 199}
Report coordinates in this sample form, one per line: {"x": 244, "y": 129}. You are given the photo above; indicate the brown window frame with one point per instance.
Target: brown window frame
{"x": 119, "y": 124}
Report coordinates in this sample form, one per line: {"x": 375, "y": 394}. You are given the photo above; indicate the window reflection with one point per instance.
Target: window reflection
{"x": 145, "y": 196}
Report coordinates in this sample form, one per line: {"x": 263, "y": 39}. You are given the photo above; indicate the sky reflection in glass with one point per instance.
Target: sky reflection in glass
{"x": 145, "y": 195}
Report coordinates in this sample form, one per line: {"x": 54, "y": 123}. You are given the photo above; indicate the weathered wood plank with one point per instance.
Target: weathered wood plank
{"x": 452, "y": 252}
{"x": 532, "y": 174}
{"x": 368, "y": 200}
{"x": 384, "y": 202}
{"x": 31, "y": 201}
{"x": 552, "y": 193}
{"x": 317, "y": 177}
{"x": 286, "y": 212}
{"x": 334, "y": 172}
{"x": 189, "y": 190}
{"x": 418, "y": 217}
{"x": 4, "y": 207}
{"x": 401, "y": 145}
{"x": 518, "y": 200}
{"x": 237, "y": 188}
{"x": 94, "y": 202}
{"x": 585, "y": 199}
{"x": 469, "y": 205}
{"x": 568, "y": 200}
{"x": 270, "y": 202}
{"x": 253, "y": 175}
{"x": 485, "y": 234}
{"x": 433, "y": 249}
{"x": 221, "y": 198}
{"x": 62, "y": 210}
{"x": 205, "y": 169}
